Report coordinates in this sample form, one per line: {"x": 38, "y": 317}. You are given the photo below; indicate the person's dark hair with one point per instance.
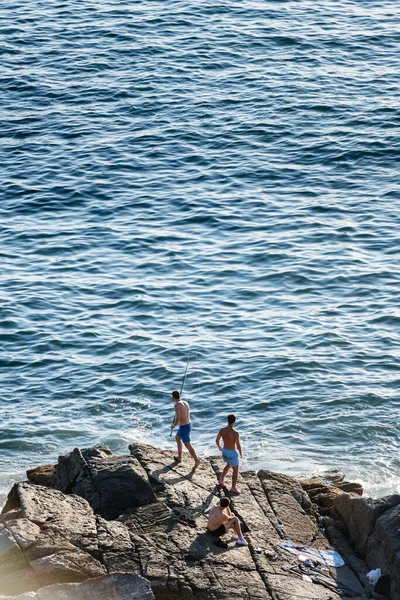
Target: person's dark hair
{"x": 231, "y": 419}
{"x": 176, "y": 394}
{"x": 224, "y": 502}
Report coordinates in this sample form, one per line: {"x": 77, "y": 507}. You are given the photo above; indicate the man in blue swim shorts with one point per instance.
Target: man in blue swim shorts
{"x": 230, "y": 452}
{"x": 182, "y": 418}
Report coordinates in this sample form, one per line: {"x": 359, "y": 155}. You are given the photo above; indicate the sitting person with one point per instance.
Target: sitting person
{"x": 220, "y": 519}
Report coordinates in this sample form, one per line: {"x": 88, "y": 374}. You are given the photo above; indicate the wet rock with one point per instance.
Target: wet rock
{"x": 334, "y": 476}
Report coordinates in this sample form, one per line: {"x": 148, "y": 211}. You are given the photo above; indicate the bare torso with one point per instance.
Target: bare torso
{"x": 216, "y": 517}
{"x": 182, "y": 412}
{"x": 230, "y": 437}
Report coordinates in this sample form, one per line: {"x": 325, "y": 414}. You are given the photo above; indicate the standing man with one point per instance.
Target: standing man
{"x": 230, "y": 452}
{"x": 182, "y": 418}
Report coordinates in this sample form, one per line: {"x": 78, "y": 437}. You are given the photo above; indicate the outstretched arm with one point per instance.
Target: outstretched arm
{"x": 239, "y": 447}
{"x": 217, "y": 440}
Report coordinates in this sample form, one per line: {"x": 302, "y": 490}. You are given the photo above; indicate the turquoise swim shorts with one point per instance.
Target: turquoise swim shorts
{"x": 231, "y": 457}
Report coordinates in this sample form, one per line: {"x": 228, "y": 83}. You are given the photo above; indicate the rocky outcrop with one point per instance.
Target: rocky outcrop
{"x": 374, "y": 527}
{"x": 110, "y": 484}
{"x": 102, "y": 520}
{"x": 53, "y": 538}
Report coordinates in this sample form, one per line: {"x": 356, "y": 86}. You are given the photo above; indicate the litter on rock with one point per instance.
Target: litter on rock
{"x": 272, "y": 555}
{"x": 330, "y": 558}
{"x": 374, "y": 575}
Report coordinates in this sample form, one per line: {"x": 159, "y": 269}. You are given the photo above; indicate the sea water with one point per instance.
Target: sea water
{"x": 221, "y": 176}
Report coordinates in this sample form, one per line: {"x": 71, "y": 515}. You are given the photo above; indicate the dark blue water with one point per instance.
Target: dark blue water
{"x": 216, "y": 174}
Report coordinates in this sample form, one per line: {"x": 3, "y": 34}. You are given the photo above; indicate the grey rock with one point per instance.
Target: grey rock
{"x": 360, "y": 516}
{"x": 333, "y": 476}
{"x": 70, "y": 466}
{"x": 66, "y": 567}
{"x": 165, "y": 539}
{"x": 280, "y": 491}
{"x": 24, "y": 531}
{"x": 345, "y": 549}
{"x": 25, "y": 596}
{"x": 58, "y": 536}
{"x": 70, "y": 516}
{"x": 110, "y": 484}
{"x": 120, "y": 586}
{"x": 116, "y": 547}
{"x": 16, "y": 575}
{"x": 384, "y": 545}
{"x": 14, "y": 513}
{"x": 350, "y": 488}
{"x": 176, "y": 484}
{"x": 12, "y": 500}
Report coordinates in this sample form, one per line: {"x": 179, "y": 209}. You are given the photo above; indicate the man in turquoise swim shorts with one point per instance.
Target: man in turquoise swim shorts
{"x": 230, "y": 452}
{"x": 182, "y": 418}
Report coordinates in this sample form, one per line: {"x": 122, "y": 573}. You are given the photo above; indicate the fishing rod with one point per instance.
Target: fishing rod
{"x": 183, "y": 382}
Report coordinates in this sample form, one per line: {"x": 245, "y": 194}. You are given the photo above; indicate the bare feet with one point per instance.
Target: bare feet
{"x": 196, "y": 464}
{"x": 177, "y": 459}
{"x": 235, "y": 491}
{"x": 222, "y": 483}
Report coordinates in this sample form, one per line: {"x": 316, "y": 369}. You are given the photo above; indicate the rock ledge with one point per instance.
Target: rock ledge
{"x": 134, "y": 528}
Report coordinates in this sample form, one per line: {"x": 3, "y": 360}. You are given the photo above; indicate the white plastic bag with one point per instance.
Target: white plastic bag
{"x": 374, "y": 575}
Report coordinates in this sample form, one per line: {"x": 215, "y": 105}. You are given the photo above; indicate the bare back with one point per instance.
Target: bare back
{"x": 230, "y": 437}
{"x": 182, "y": 411}
{"x": 216, "y": 517}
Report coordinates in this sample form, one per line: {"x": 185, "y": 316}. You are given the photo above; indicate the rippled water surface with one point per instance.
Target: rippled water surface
{"x": 222, "y": 175}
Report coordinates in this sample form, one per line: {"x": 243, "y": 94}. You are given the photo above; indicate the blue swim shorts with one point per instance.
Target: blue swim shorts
{"x": 184, "y": 432}
{"x": 231, "y": 457}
